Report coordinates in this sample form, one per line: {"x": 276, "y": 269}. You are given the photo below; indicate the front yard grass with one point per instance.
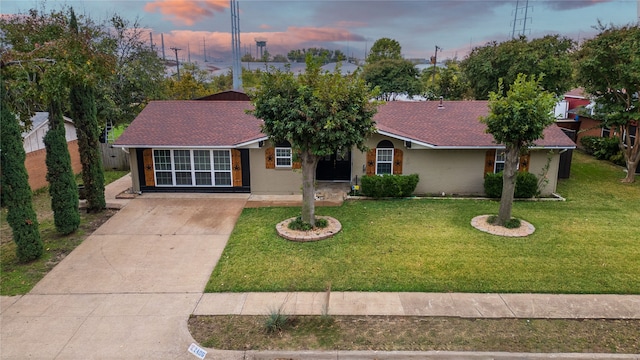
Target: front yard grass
{"x": 588, "y": 244}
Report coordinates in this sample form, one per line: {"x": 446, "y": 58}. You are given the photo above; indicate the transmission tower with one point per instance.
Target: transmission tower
{"x": 520, "y": 16}
{"x": 235, "y": 45}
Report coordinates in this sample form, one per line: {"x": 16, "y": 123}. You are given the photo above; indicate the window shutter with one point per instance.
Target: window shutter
{"x": 371, "y": 162}
{"x": 236, "y": 167}
{"x": 296, "y": 165}
{"x": 397, "y": 162}
{"x": 489, "y": 161}
{"x": 270, "y": 158}
{"x": 524, "y": 162}
{"x": 147, "y": 163}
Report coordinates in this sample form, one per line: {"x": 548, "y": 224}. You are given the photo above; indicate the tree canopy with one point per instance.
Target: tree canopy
{"x": 384, "y": 49}
{"x": 517, "y": 120}
{"x": 549, "y": 55}
{"x": 318, "y": 113}
{"x": 609, "y": 68}
{"x": 393, "y": 77}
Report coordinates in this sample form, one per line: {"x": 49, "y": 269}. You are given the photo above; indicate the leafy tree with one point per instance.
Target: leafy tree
{"x": 550, "y": 55}
{"x": 393, "y": 77}
{"x": 137, "y": 76}
{"x": 517, "y": 120}
{"x": 280, "y": 58}
{"x": 186, "y": 88}
{"x": 62, "y": 183}
{"x": 385, "y": 49}
{"x": 609, "y": 68}
{"x": 450, "y": 82}
{"x": 318, "y": 113}
{"x": 15, "y": 187}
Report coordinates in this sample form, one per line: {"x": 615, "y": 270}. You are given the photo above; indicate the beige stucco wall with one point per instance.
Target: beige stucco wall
{"x": 135, "y": 176}
{"x": 272, "y": 181}
{"x": 459, "y": 172}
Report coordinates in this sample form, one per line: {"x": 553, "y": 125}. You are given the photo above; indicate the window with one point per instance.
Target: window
{"x": 283, "y": 154}
{"x": 384, "y": 157}
{"x": 632, "y": 134}
{"x": 606, "y": 131}
{"x": 499, "y": 163}
{"x": 283, "y": 157}
{"x": 192, "y": 167}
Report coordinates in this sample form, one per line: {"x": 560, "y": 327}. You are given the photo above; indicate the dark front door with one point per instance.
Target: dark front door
{"x": 335, "y": 167}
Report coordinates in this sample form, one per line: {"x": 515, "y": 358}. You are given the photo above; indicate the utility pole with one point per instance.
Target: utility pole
{"x": 235, "y": 45}
{"x": 177, "y": 62}
{"x": 204, "y": 45}
{"x": 434, "y": 61}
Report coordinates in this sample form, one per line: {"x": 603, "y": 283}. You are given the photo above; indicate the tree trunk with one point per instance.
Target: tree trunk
{"x": 309, "y": 163}
{"x": 508, "y": 184}
{"x": 631, "y": 171}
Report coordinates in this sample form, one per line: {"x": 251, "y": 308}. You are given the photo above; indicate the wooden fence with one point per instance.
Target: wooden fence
{"x": 114, "y": 158}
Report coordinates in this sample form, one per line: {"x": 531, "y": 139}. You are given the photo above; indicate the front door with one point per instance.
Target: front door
{"x": 336, "y": 166}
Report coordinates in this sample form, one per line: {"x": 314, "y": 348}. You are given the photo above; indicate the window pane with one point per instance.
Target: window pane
{"x": 223, "y": 178}
{"x": 384, "y": 168}
{"x": 183, "y": 178}
{"x": 163, "y": 178}
{"x": 162, "y": 159}
{"x": 182, "y": 159}
{"x": 385, "y": 154}
{"x": 499, "y": 167}
{"x": 203, "y": 178}
{"x": 500, "y": 156}
{"x": 221, "y": 160}
{"x": 202, "y": 159}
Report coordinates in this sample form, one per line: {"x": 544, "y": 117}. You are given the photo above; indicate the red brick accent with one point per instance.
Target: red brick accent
{"x": 37, "y": 167}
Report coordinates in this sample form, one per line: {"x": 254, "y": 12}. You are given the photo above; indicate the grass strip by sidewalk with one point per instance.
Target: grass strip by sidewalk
{"x": 397, "y": 333}
{"x": 588, "y": 244}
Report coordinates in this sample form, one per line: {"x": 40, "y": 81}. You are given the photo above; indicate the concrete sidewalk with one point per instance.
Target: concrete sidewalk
{"x": 465, "y": 305}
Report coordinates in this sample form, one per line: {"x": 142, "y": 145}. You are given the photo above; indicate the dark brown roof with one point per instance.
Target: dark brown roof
{"x": 226, "y": 124}
{"x": 456, "y": 125}
{"x": 192, "y": 123}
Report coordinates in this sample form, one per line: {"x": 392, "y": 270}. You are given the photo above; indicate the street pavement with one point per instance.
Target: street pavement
{"x": 128, "y": 290}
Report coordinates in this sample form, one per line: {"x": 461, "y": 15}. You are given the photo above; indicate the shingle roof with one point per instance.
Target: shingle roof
{"x": 192, "y": 123}
{"x": 455, "y": 125}
{"x": 226, "y": 124}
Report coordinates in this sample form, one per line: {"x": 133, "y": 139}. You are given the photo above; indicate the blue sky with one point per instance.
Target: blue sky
{"x": 351, "y": 26}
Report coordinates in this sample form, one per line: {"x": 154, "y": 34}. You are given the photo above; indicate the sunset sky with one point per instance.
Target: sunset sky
{"x": 351, "y": 26}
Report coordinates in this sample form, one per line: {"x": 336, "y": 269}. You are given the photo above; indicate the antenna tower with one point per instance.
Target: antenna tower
{"x": 521, "y": 10}
{"x": 204, "y": 45}
{"x": 235, "y": 45}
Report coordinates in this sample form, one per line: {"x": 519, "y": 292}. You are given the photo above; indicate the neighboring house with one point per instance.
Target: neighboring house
{"x": 578, "y": 117}
{"x": 215, "y": 146}
{"x": 36, "y": 153}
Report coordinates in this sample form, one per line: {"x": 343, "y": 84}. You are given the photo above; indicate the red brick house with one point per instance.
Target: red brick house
{"x": 36, "y": 153}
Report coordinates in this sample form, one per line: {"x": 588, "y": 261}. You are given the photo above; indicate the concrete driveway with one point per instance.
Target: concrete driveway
{"x": 127, "y": 290}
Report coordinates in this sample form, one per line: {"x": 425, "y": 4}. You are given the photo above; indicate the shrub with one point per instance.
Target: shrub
{"x": 526, "y": 185}
{"x": 389, "y": 185}
{"x": 493, "y": 185}
{"x": 602, "y": 148}
{"x": 300, "y": 225}
{"x": 276, "y": 321}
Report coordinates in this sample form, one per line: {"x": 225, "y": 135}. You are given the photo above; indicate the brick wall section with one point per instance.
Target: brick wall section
{"x": 37, "y": 167}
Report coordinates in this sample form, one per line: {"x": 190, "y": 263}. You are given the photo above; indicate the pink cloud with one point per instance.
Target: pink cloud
{"x": 187, "y": 12}
{"x": 265, "y": 26}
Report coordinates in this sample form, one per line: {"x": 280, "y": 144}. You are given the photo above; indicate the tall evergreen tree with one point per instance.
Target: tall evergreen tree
{"x": 84, "y": 113}
{"x": 62, "y": 184}
{"x": 15, "y": 188}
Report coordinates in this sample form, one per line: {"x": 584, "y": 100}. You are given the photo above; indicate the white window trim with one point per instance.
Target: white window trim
{"x": 632, "y": 137}
{"x": 605, "y": 128}
{"x": 378, "y": 161}
{"x": 496, "y": 161}
{"x": 289, "y": 157}
{"x": 193, "y": 171}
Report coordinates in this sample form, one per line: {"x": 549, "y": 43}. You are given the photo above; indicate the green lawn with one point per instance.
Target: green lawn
{"x": 588, "y": 244}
